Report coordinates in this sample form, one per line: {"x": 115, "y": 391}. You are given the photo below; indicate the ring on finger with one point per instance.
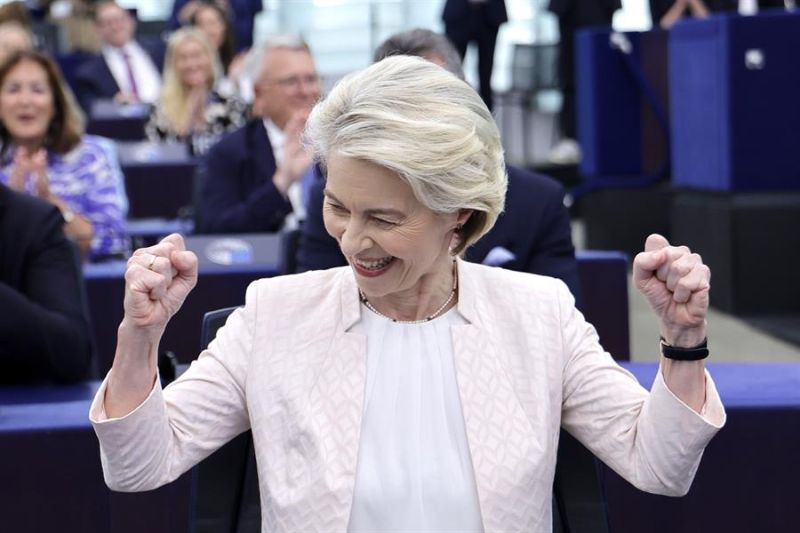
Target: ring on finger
{"x": 150, "y": 264}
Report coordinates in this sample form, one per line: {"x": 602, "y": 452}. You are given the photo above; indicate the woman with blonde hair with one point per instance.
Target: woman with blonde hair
{"x": 409, "y": 390}
{"x": 192, "y": 107}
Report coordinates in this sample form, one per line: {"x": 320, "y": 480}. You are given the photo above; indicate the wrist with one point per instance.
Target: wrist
{"x": 684, "y": 337}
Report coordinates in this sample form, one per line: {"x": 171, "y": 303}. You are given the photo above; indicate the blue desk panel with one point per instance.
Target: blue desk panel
{"x": 51, "y": 475}
{"x": 749, "y": 476}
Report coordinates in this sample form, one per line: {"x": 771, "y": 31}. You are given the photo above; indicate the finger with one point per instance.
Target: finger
{"x": 696, "y": 281}
{"x": 655, "y": 242}
{"x": 186, "y": 264}
{"x": 680, "y": 268}
{"x": 645, "y": 265}
{"x": 176, "y": 239}
{"x": 142, "y": 280}
{"x": 164, "y": 248}
{"x": 673, "y": 253}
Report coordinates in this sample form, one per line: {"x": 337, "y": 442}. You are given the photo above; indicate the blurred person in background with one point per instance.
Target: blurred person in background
{"x": 213, "y": 21}
{"x": 45, "y": 153}
{"x": 44, "y": 332}
{"x": 125, "y": 71}
{"x": 13, "y": 38}
{"x": 572, "y": 16}
{"x": 255, "y": 177}
{"x": 192, "y": 107}
{"x": 476, "y": 21}
{"x": 242, "y": 13}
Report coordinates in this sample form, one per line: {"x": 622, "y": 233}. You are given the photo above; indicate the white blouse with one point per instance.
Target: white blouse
{"x": 414, "y": 468}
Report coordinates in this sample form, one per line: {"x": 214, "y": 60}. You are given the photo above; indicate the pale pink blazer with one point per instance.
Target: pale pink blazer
{"x": 288, "y": 367}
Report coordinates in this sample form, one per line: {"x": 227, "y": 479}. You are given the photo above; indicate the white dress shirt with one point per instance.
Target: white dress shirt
{"x": 145, "y": 72}
{"x": 414, "y": 466}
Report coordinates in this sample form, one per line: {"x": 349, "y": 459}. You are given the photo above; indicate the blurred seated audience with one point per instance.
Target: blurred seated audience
{"x": 531, "y": 235}
{"x": 45, "y": 153}
{"x": 13, "y": 38}
{"x": 126, "y": 71}
{"x": 213, "y": 21}
{"x": 44, "y": 332}
{"x": 254, "y": 177}
{"x": 76, "y": 18}
{"x": 192, "y": 108}
{"x": 242, "y": 13}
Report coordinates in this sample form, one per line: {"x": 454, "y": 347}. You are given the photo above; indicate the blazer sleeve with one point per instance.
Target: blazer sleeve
{"x": 317, "y": 250}
{"x": 44, "y": 332}
{"x": 227, "y": 205}
{"x": 176, "y": 428}
{"x": 654, "y": 440}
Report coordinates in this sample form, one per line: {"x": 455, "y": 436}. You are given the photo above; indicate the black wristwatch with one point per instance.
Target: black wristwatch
{"x": 685, "y": 354}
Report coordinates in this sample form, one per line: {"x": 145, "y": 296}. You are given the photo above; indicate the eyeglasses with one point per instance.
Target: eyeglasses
{"x": 293, "y": 83}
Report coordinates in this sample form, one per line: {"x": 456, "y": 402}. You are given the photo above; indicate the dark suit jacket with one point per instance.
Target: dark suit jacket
{"x": 44, "y": 331}
{"x": 534, "y": 227}
{"x": 460, "y": 11}
{"x": 237, "y": 193}
{"x": 586, "y": 12}
{"x": 94, "y": 81}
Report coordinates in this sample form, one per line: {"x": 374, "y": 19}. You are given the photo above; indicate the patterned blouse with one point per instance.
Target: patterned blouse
{"x": 223, "y": 113}
{"x": 89, "y": 180}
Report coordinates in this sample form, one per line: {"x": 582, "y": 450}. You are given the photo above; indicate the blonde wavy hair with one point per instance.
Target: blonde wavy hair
{"x": 422, "y": 122}
{"x": 174, "y": 99}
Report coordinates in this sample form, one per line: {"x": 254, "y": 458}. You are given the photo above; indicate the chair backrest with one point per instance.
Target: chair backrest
{"x": 220, "y": 476}
{"x": 603, "y": 277}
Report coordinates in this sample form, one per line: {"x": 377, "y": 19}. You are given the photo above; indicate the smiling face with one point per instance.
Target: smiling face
{"x": 288, "y": 84}
{"x": 192, "y": 64}
{"x": 114, "y": 24}
{"x": 26, "y": 103}
{"x": 397, "y": 247}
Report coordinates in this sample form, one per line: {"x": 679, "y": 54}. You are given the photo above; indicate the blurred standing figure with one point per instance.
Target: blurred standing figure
{"x": 44, "y": 153}
{"x": 191, "y": 107}
{"x": 13, "y": 38}
{"x": 125, "y": 70}
{"x": 572, "y": 16}
{"x": 243, "y": 14}
{"x": 44, "y": 333}
{"x": 476, "y": 21}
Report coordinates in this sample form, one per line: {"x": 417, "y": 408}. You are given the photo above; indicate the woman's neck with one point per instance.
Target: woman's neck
{"x": 433, "y": 295}
{"x": 30, "y": 145}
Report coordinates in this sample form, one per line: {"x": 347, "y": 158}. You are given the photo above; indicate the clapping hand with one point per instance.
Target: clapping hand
{"x": 30, "y": 164}
{"x": 676, "y": 284}
{"x": 296, "y": 158}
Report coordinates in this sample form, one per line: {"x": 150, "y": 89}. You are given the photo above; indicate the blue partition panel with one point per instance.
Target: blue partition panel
{"x": 735, "y": 110}
{"x": 608, "y": 106}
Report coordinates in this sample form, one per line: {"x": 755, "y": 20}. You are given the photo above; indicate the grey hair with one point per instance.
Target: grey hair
{"x": 254, "y": 61}
{"x": 423, "y": 43}
{"x": 418, "y": 120}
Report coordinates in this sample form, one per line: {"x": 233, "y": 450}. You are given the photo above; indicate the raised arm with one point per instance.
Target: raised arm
{"x": 157, "y": 281}
{"x": 675, "y": 283}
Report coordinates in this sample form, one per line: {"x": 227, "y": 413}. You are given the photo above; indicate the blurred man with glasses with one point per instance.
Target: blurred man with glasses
{"x": 253, "y": 179}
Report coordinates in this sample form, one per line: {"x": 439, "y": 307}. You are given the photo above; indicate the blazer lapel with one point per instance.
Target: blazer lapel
{"x": 337, "y": 399}
{"x": 502, "y": 442}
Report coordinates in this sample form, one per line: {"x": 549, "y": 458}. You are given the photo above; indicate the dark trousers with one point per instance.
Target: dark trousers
{"x": 476, "y": 29}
